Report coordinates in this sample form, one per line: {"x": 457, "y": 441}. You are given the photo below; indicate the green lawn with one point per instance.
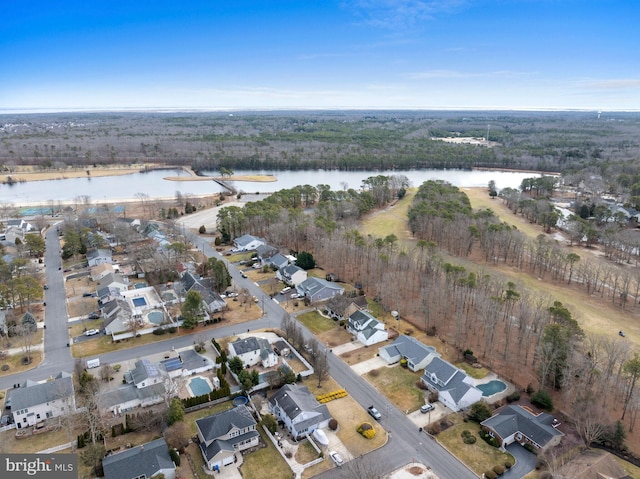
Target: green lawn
{"x": 316, "y": 322}
{"x": 476, "y": 373}
{"x": 265, "y": 462}
{"x": 398, "y": 384}
{"x": 479, "y": 457}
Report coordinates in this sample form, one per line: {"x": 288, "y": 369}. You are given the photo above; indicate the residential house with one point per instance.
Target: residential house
{"x": 341, "y": 307}
{"x": 521, "y": 424}
{"x": 277, "y": 261}
{"x": 265, "y": 251}
{"x": 253, "y": 351}
{"x": 118, "y": 316}
{"x": 417, "y": 354}
{"x": 35, "y": 402}
{"x": 146, "y": 384}
{"x": 100, "y": 271}
{"x": 98, "y": 256}
{"x": 292, "y": 275}
{"x": 113, "y": 281}
{"x": 140, "y": 462}
{"x": 299, "y": 410}
{"x": 187, "y": 363}
{"x": 191, "y": 282}
{"x": 20, "y": 224}
{"x": 247, "y": 243}
{"x": 316, "y": 289}
{"x": 222, "y": 435}
{"x": 455, "y": 389}
{"x": 367, "y": 329}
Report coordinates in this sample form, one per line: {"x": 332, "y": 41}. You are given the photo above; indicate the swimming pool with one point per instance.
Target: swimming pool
{"x": 492, "y": 387}
{"x": 155, "y": 317}
{"x": 199, "y": 386}
{"x": 139, "y": 302}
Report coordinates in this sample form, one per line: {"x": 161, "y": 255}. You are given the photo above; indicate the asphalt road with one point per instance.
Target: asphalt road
{"x": 406, "y": 442}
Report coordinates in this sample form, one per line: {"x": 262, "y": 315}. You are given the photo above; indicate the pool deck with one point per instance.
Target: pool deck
{"x": 497, "y": 396}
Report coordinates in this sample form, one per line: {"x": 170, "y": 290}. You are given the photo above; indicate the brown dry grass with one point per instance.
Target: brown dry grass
{"x": 31, "y": 173}
{"x": 15, "y": 362}
{"x": 399, "y": 386}
{"x": 349, "y": 414}
{"x": 358, "y": 355}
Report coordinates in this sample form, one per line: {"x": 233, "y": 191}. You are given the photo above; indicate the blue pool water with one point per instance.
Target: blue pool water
{"x": 155, "y": 317}
{"x": 140, "y": 285}
{"x": 492, "y": 387}
{"x": 199, "y": 386}
{"x": 137, "y": 302}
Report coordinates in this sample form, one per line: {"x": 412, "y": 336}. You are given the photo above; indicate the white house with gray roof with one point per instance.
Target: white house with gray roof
{"x": 277, "y": 261}
{"x": 299, "y": 410}
{"x": 37, "y": 401}
{"x": 222, "y": 435}
{"x": 366, "y": 328}
{"x": 98, "y": 256}
{"x": 253, "y": 351}
{"x": 520, "y": 424}
{"x": 145, "y": 461}
{"x": 247, "y": 243}
{"x": 317, "y": 289}
{"x": 417, "y": 354}
{"x": 455, "y": 389}
{"x": 292, "y": 275}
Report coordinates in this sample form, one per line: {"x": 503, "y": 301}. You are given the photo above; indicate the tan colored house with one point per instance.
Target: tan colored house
{"x": 100, "y": 271}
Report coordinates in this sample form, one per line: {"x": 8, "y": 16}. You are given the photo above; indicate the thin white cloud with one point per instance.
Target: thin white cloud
{"x": 398, "y": 14}
{"x": 455, "y": 74}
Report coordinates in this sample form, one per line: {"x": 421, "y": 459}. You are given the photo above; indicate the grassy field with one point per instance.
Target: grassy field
{"x": 398, "y": 384}
{"x": 15, "y": 362}
{"x": 306, "y": 452}
{"x": 479, "y": 457}
{"x": 392, "y": 220}
{"x": 317, "y": 323}
{"x": 265, "y": 462}
{"x": 476, "y": 373}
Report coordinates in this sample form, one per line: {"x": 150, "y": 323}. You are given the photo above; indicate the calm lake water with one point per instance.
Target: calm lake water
{"x": 153, "y": 184}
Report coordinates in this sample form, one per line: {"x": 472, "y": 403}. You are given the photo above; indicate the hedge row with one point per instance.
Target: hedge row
{"x": 324, "y": 398}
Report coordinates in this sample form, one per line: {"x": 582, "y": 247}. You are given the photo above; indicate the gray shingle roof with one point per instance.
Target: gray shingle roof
{"x": 192, "y": 360}
{"x": 443, "y": 370}
{"x": 34, "y": 394}
{"x": 295, "y": 400}
{"x": 246, "y": 345}
{"x": 144, "y": 370}
{"x": 409, "y": 348}
{"x": 217, "y": 425}
{"x": 514, "y": 419}
{"x": 147, "y": 459}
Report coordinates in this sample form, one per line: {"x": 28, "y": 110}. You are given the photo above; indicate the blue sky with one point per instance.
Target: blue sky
{"x": 242, "y": 54}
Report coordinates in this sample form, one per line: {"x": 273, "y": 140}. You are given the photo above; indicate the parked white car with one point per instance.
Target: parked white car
{"x": 91, "y": 332}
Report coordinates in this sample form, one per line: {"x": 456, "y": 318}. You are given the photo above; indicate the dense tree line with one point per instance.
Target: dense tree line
{"x": 576, "y": 143}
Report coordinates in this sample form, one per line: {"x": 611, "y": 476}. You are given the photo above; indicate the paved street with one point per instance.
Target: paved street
{"x": 406, "y": 443}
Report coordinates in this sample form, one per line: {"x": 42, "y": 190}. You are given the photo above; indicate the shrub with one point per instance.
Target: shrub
{"x": 543, "y": 400}
{"x": 431, "y": 331}
{"x": 333, "y": 424}
{"x": 498, "y": 469}
{"x": 270, "y": 422}
{"x": 202, "y": 230}
{"x": 5, "y": 367}
{"x": 172, "y": 330}
{"x": 374, "y": 373}
{"x": 514, "y": 396}
{"x": 158, "y": 331}
{"x": 433, "y": 429}
{"x": 469, "y": 439}
{"x": 117, "y": 367}
{"x": 175, "y": 457}
{"x": 366, "y": 430}
{"x": 479, "y": 411}
{"x": 466, "y": 433}
{"x": 492, "y": 441}
{"x": 421, "y": 385}
{"x": 433, "y": 397}
{"x": 508, "y": 464}
{"x": 490, "y": 475}
{"x": 404, "y": 363}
